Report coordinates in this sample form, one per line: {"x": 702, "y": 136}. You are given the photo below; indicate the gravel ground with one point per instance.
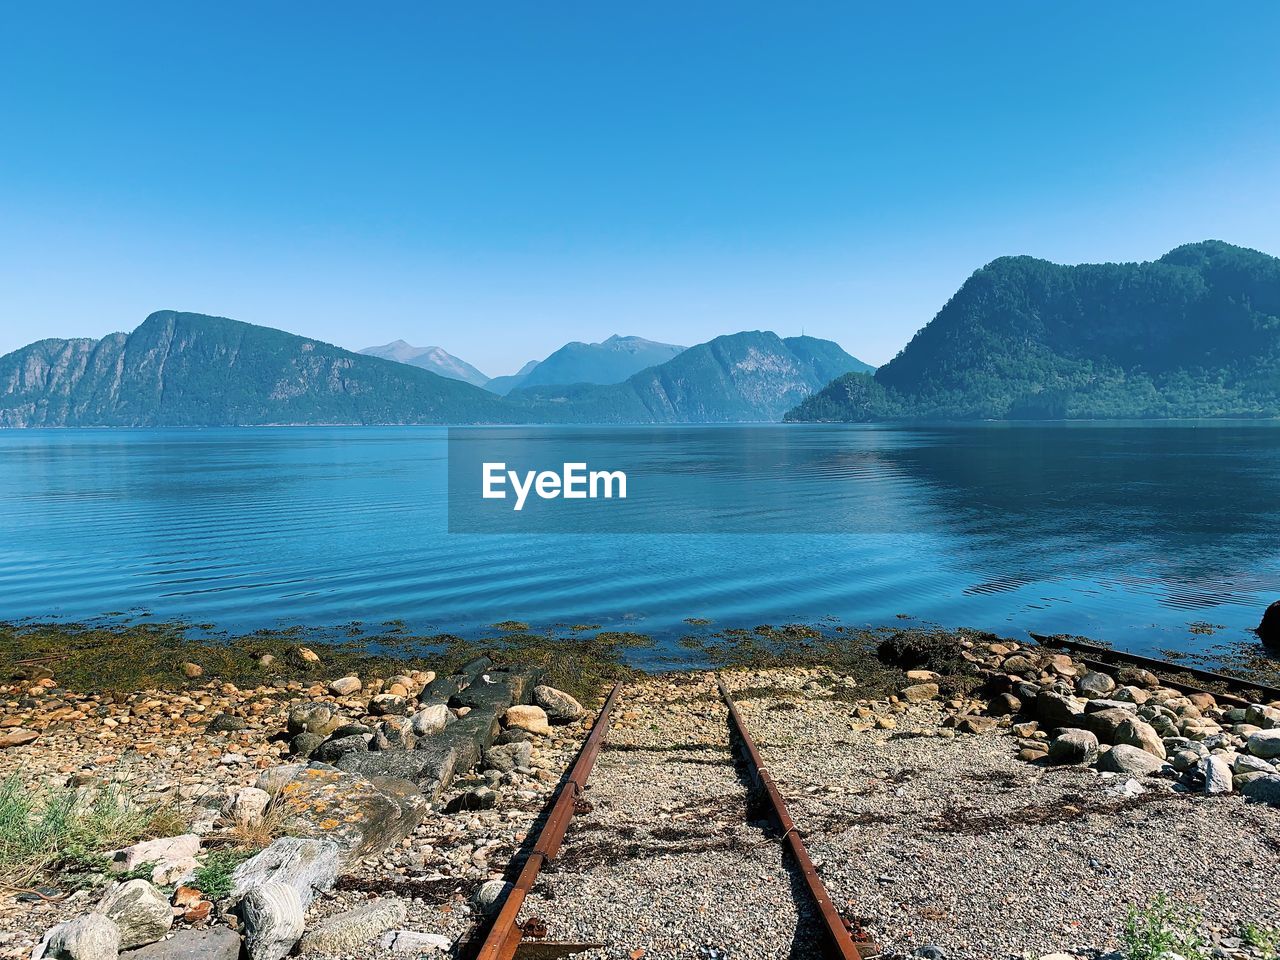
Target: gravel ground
{"x": 954, "y": 842}
{"x": 668, "y": 863}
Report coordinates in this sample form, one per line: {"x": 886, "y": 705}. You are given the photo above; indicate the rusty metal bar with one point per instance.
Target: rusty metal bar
{"x": 839, "y": 942}
{"x": 503, "y": 938}
{"x": 1102, "y": 654}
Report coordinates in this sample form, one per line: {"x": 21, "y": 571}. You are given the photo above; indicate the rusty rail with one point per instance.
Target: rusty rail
{"x": 840, "y": 943}
{"x": 1096, "y": 657}
{"x": 505, "y": 935}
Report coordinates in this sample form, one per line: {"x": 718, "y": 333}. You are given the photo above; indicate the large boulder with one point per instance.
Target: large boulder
{"x": 1104, "y": 723}
{"x": 308, "y": 866}
{"x": 213, "y": 943}
{"x": 1055, "y": 710}
{"x": 1095, "y": 684}
{"x": 1269, "y": 628}
{"x": 325, "y": 803}
{"x": 1130, "y": 761}
{"x": 1074, "y": 746}
{"x": 141, "y": 913}
{"x": 91, "y": 937}
{"x": 430, "y": 767}
{"x": 344, "y": 933}
{"x": 1138, "y": 733}
{"x": 530, "y": 718}
{"x": 559, "y": 706}
{"x": 1265, "y": 744}
{"x": 163, "y": 850}
{"x": 1265, "y": 788}
{"x": 273, "y": 918}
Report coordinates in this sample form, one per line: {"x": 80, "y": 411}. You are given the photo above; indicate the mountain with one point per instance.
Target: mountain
{"x": 609, "y": 362}
{"x": 504, "y": 385}
{"x": 742, "y": 377}
{"x": 1193, "y": 334}
{"x": 186, "y": 369}
{"x": 435, "y": 359}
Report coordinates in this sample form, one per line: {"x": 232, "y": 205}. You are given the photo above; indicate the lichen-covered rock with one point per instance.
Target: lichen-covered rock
{"x": 325, "y": 803}
{"x": 141, "y": 913}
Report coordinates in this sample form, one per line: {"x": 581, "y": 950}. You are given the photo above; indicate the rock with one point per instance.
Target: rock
{"x": 336, "y": 747}
{"x": 1130, "y": 760}
{"x": 920, "y": 676}
{"x": 1265, "y": 744}
{"x": 1139, "y": 733}
{"x": 343, "y": 933}
{"x": 1262, "y": 716}
{"x": 324, "y": 803}
{"x": 394, "y": 733}
{"x": 345, "y": 686}
{"x": 1217, "y": 775}
{"x": 141, "y": 913}
{"x": 507, "y": 757}
{"x": 273, "y": 920}
{"x": 477, "y": 798}
{"x": 192, "y": 670}
{"x": 430, "y": 720}
{"x": 559, "y": 706}
{"x": 305, "y": 656}
{"x": 1055, "y": 710}
{"x": 305, "y": 744}
{"x": 1265, "y": 788}
{"x": 216, "y": 943}
{"x": 1003, "y": 704}
{"x": 317, "y": 718}
{"x": 1246, "y": 763}
{"x": 973, "y": 723}
{"x": 919, "y": 692}
{"x": 170, "y": 873}
{"x": 1073, "y": 746}
{"x": 155, "y": 851}
{"x": 1104, "y": 723}
{"x": 1095, "y": 684}
{"x": 308, "y": 866}
{"x": 1102, "y": 703}
{"x": 248, "y": 806}
{"x": 17, "y": 737}
{"x": 389, "y": 704}
{"x": 1020, "y": 664}
{"x": 1269, "y": 629}
{"x": 531, "y": 718}
{"x": 489, "y": 897}
{"x": 1184, "y": 760}
{"x": 226, "y": 723}
{"x": 91, "y": 937}
{"x": 410, "y": 941}
{"x": 430, "y": 768}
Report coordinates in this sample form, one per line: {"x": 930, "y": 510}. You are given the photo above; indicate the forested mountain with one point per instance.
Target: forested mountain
{"x": 1193, "y": 334}
{"x": 750, "y": 376}
{"x": 186, "y": 369}
{"x": 609, "y": 362}
{"x": 436, "y": 359}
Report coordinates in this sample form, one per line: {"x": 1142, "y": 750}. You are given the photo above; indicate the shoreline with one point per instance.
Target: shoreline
{"x": 932, "y": 725}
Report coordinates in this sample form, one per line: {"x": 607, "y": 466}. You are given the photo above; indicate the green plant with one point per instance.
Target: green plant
{"x": 41, "y": 829}
{"x": 214, "y": 878}
{"x": 1160, "y": 929}
{"x": 1262, "y": 938}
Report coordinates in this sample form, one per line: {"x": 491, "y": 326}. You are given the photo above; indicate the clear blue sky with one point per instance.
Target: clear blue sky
{"x": 500, "y": 178}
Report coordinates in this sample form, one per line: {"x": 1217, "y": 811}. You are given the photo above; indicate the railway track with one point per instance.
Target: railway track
{"x": 675, "y": 823}
{"x": 710, "y": 794}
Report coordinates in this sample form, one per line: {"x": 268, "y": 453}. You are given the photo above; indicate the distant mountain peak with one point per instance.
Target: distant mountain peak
{"x": 436, "y": 359}
{"x": 610, "y": 361}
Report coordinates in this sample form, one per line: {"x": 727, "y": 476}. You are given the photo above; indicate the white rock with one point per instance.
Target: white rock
{"x": 155, "y": 851}
{"x": 248, "y": 806}
{"x": 411, "y": 941}
{"x": 305, "y": 865}
{"x": 91, "y": 937}
{"x": 344, "y": 933}
{"x": 1265, "y": 744}
{"x": 273, "y": 920}
{"x": 1217, "y": 775}
{"x": 141, "y": 913}
{"x": 430, "y": 720}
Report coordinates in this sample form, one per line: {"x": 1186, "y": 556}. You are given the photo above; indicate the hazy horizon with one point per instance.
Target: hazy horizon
{"x": 501, "y": 182}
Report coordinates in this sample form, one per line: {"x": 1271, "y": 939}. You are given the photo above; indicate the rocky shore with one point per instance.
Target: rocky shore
{"x": 995, "y": 800}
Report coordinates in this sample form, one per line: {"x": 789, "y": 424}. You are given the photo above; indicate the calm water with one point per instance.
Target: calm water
{"x": 1125, "y": 533}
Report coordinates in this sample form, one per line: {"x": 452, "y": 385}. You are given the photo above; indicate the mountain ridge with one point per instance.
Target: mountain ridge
{"x": 436, "y": 359}
{"x": 1194, "y": 333}
{"x": 610, "y": 361}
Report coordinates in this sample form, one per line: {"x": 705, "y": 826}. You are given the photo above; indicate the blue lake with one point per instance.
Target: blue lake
{"x": 1131, "y": 534}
